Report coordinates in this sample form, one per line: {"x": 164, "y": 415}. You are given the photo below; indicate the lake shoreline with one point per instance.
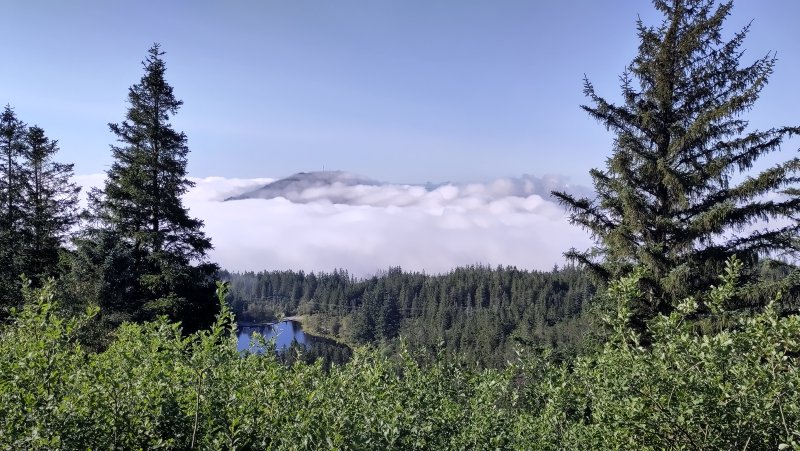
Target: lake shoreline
{"x": 311, "y": 329}
{"x": 297, "y": 319}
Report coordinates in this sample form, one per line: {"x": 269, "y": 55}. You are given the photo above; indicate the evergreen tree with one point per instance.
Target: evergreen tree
{"x": 390, "y": 317}
{"x": 13, "y": 151}
{"x": 676, "y": 198}
{"x": 141, "y": 205}
{"x": 50, "y": 209}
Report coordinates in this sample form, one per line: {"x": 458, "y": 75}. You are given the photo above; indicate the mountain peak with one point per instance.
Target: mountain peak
{"x": 290, "y": 187}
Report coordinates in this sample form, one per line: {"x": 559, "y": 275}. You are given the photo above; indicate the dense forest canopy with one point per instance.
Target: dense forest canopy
{"x": 481, "y": 312}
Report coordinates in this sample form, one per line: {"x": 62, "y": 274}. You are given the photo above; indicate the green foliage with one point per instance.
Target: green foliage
{"x": 733, "y": 389}
{"x": 41, "y": 365}
{"x": 155, "y": 388}
{"x": 676, "y": 198}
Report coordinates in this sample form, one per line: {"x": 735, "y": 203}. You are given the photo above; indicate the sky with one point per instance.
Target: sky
{"x": 403, "y": 92}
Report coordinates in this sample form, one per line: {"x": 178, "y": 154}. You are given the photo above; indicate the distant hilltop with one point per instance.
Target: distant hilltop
{"x": 339, "y": 187}
{"x": 293, "y": 186}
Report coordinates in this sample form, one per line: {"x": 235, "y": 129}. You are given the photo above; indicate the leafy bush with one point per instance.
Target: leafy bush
{"x": 734, "y": 389}
{"x": 153, "y": 388}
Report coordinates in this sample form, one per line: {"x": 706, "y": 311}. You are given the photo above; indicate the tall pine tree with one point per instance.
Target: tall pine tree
{"x": 677, "y": 197}
{"x": 50, "y": 208}
{"x": 38, "y": 206}
{"x": 141, "y": 218}
{"x": 13, "y": 151}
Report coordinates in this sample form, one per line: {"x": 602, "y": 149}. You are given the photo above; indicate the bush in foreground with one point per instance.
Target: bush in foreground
{"x": 734, "y": 389}
{"x": 153, "y": 388}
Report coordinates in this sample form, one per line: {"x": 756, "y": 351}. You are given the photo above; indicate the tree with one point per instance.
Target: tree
{"x": 13, "y": 151}
{"x": 141, "y": 205}
{"x": 38, "y": 206}
{"x": 50, "y": 208}
{"x": 390, "y": 317}
{"x": 676, "y": 198}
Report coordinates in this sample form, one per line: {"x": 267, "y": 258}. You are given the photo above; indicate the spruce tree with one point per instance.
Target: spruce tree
{"x": 50, "y": 208}
{"x": 13, "y": 151}
{"x": 390, "y": 317}
{"x": 141, "y": 210}
{"x": 677, "y": 197}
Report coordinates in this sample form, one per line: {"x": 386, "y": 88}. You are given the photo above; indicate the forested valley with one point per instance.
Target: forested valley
{"x": 483, "y": 314}
{"x": 678, "y": 329}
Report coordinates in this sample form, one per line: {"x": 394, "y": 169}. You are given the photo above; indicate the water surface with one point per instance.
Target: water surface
{"x": 286, "y": 334}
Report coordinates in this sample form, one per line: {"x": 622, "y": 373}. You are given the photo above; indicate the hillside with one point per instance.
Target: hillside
{"x": 482, "y": 313}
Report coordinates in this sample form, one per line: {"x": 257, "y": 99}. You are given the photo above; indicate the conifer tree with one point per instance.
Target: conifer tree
{"x": 38, "y": 206}
{"x": 12, "y": 153}
{"x": 390, "y": 317}
{"x": 50, "y": 208}
{"x": 677, "y": 196}
{"x": 141, "y": 206}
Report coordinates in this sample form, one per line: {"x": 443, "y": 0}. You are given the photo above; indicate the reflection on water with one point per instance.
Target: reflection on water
{"x": 284, "y": 333}
{"x": 289, "y": 334}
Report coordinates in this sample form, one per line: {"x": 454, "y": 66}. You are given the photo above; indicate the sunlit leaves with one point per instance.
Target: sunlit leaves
{"x": 153, "y": 388}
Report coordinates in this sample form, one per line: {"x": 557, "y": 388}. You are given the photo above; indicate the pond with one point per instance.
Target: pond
{"x": 287, "y": 334}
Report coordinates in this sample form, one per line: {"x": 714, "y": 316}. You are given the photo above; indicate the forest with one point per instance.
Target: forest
{"x": 480, "y": 313}
{"x": 678, "y": 329}
{"x": 484, "y": 315}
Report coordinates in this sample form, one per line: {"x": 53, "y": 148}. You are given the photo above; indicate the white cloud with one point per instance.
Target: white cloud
{"x": 364, "y": 226}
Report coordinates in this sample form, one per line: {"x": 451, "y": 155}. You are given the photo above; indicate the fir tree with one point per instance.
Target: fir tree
{"x": 50, "y": 209}
{"x": 676, "y": 197}
{"x": 390, "y": 317}
{"x": 13, "y": 151}
{"x": 141, "y": 205}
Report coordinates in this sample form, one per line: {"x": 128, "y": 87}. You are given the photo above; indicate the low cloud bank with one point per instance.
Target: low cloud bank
{"x": 325, "y": 221}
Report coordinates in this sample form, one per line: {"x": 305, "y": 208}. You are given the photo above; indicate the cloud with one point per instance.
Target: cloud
{"x": 325, "y": 221}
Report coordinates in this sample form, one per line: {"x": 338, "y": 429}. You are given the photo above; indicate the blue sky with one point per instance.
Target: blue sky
{"x": 403, "y": 91}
